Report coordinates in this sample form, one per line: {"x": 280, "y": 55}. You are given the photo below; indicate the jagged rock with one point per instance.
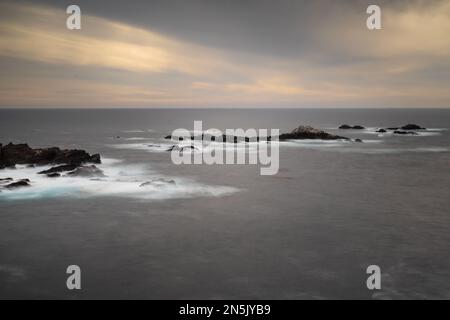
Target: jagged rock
{"x": 61, "y": 168}
{"x": 87, "y": 171}
{"x": 160, "y": 182}
{"x": 307, "y": 132}
{"x": 54, "y": 175}
{"x": 412, "y": 127}
{"x": 346, "y": 126}
{"x": 18, "y": 184}
{"x": 12, "y": 154}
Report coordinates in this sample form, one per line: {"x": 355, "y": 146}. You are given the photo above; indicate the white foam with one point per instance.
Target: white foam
{"x": 121, "y": 180}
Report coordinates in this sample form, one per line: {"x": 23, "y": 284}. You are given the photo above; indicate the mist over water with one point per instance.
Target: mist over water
{"x": 225, "y": 231}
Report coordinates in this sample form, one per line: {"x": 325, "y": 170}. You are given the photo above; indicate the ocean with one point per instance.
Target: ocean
{"x": 225, "y": 231}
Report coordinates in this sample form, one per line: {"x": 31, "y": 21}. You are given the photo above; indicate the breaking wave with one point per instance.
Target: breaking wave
{"x": 121, "y": 180}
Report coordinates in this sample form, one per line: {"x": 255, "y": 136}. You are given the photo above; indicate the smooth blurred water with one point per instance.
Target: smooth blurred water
{"x": 308, "y": 232}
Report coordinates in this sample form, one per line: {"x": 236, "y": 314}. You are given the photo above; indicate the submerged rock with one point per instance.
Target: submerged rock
{"x": 18, "y": 184}
{"x": 87, "y": 171}
{"x": 307, "y": 132}
{"x": 54, "y": 175}
{"x": 381, "y": 131}
{"x": 160, "y": 182}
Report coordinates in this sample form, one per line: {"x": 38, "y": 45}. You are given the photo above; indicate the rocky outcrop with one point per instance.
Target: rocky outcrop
{"x": 222, "y": 138}
{"x": 54, "y": 175}
{"x": 412, "y": 127}
{"x": 18, "y": 184}
{"x": 302, "y": 132}
{"x": 87, "y": 171}
{"x": 307, "y": 132}
{"x": 347, "y": 127}
{"x": 12, "y": 154}
{"x": 409, "y": 129}
{"x": 61, "y": 168}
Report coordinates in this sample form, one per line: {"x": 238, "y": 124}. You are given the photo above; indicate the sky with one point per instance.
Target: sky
{"x": 225, "y": 54}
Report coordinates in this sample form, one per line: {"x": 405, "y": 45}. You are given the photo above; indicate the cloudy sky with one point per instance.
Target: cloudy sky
{"x": 227, "y": 53}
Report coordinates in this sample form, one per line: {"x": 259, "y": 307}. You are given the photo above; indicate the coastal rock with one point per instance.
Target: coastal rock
{"x": 18, "y": 184}
{"x": 405, "y": 132}
{"x": 87, "y": 171}
{"x": 54, "y": 175}
{"x": 302, "y": 132}
{"x": 358, "y": 140}
{"x": 346, "y": 127}
{"x": 12, "y": 154}
{"x": 412, "y": 127}
{"x": 307, "y": 132}
{"x": 160, "y": 182}
{"x": 61, "y": 168}
{"x": 381, "y": 131}
{"x": 222, "y": 138}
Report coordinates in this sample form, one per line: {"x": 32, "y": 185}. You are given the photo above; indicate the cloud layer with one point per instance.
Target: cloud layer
{"x": 320, "y": 54}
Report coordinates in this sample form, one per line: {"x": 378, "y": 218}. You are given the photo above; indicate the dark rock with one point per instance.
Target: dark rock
{"x": 393, "y": 128}
{"x": 346, "y": 127}
{"x": 381, "y": 131}
{"x": 307, "y": 132}
{"x": 412, "y": 127}
{"x": 5, "y": 180}
{"x": 358, "y": 140}
{"x": 224, "y": 138}
{"x": 18, "y": 184}
{"x": 61, "y": 168}
{"x": 12, "y": 154}
{"x": 54, "y": 175}
{"x": 405, "y": 132}
{"x": 87, "y": 171}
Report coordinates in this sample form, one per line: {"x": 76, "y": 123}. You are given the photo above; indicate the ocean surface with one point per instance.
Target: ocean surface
{"x": 225, "y": 231}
